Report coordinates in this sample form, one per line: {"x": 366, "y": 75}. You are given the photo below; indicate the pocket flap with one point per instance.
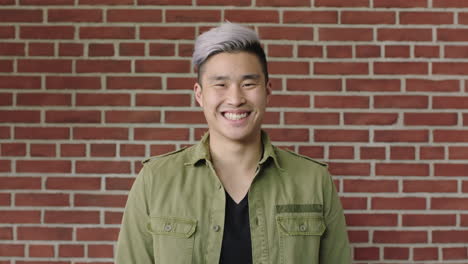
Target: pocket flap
{"x": 301, "y": 225}
{"x": 173, "y": 226}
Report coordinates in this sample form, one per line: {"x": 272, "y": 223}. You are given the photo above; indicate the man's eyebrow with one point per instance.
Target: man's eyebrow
{"x": 218, "y": 78}
{"x": 251, "y": 77}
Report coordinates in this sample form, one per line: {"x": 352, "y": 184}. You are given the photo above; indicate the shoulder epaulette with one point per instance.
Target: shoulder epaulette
{"x": 307, "y": 158}
{"x": 163, "y": 155}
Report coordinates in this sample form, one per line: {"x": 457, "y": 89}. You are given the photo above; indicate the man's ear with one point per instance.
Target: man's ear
{"x": 268, "y": 90}
{"x": 197, "y": 89}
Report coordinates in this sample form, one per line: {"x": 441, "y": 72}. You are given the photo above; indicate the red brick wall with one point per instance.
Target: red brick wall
{"x": 377, "y": 88}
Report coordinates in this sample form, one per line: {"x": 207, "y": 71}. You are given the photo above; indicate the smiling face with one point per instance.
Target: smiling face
{"x": 234, "y": 95}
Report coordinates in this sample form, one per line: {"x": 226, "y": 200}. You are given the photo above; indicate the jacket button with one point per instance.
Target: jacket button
{"x": 167, "y": 228}
{"x": 303, "y": 228}
{"x": 216, "y": 228}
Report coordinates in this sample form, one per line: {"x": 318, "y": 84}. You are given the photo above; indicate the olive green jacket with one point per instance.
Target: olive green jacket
{"x": 175, "y": 211}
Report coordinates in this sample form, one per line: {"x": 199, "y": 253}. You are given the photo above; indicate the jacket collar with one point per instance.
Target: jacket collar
{"x": 201, "y": 151}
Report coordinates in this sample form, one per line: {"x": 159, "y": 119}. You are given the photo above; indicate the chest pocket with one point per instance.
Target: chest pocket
{"x": 173, "y": 239}
{"x": 299, "y": 238}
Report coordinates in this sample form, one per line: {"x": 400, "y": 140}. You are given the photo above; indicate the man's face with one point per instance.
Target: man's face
{"x": 234, "y": 95}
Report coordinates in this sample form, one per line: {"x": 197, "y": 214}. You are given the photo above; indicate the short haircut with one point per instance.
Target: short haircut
{"x": 229, "y": 37}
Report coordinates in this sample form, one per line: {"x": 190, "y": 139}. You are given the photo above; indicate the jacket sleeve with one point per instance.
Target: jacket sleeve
{"x": 135, "y": 243}
{"x": 334, "y": 246}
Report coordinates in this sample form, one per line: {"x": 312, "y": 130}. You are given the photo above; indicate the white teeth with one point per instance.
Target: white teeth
{"x": 232, "y": 116}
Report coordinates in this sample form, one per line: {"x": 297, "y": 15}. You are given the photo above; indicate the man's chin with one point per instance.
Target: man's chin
{"x": 240, "y": 136}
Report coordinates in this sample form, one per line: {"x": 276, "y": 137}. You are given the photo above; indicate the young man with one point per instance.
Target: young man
{"x": 233, "y": 197}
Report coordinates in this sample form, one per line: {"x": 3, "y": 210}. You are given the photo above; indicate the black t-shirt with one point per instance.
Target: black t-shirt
{"x": 237, "y": 244}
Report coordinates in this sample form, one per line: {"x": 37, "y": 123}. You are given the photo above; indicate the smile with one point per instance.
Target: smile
{"x": 235, "y": 116}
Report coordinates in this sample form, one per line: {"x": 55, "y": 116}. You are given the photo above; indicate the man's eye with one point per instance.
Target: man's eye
{"x": 219, "y": 84}
{"x": 249, "y": 84}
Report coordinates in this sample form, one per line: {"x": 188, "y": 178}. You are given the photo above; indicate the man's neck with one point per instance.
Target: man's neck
{"x": 235, "y": 163}
{"x": 235, "y": 155}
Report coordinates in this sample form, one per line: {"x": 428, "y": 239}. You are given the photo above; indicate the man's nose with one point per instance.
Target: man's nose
{"x": 235, "y": 95}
